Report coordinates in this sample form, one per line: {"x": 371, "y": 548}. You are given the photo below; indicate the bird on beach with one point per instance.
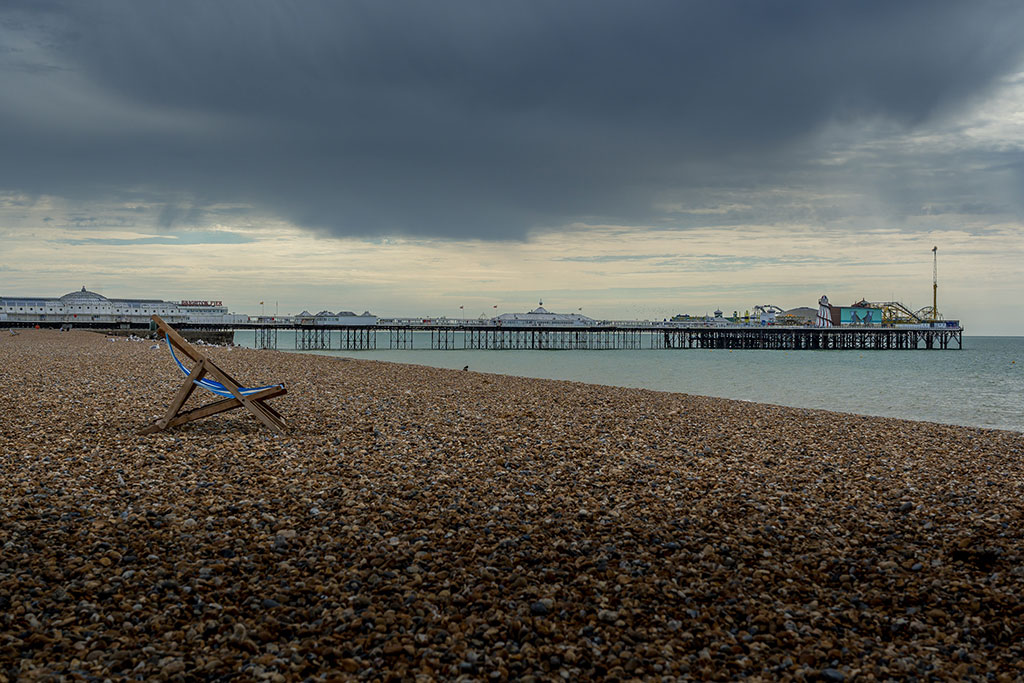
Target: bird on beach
{"x": 465, "y": 367}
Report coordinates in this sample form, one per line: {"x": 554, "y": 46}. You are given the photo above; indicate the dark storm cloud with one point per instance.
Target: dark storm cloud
{"x": 465, "y": 118}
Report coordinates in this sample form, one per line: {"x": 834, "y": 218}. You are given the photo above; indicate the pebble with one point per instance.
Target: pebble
{"x": 488, "y": 527}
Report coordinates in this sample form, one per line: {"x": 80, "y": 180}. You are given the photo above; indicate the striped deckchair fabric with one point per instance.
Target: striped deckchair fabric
{"x": 232, "y": 394}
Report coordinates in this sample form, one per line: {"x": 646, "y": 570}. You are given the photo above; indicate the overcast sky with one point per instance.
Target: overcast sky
{"x": 633, "y": 159}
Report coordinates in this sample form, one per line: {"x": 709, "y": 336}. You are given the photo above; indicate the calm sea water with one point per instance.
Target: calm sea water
{"x": 980, "y": 386}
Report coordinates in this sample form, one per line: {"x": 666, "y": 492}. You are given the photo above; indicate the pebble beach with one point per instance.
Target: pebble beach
{"x": 424, "y": 524}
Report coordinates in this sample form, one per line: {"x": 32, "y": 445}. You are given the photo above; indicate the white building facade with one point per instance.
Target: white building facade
{"x": 541, "y": 317}
{"x": 84, "y": 306}
{"x": 344, "y": 318}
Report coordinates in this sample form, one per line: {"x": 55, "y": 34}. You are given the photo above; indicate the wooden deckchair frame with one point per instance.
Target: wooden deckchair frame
{"x": 254, "y": 403}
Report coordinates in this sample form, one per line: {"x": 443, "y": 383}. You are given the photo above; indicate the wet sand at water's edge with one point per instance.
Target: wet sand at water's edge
{"x": 441, "y": 523}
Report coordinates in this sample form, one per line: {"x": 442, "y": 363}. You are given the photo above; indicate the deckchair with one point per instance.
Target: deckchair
{"x": 232, "y": 394}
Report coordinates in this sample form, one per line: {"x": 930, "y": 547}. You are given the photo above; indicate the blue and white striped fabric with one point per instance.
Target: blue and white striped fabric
{"x": 216, "y": 387}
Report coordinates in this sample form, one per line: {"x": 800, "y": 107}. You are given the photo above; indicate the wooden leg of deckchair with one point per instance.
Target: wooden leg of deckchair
{"x": 262, "y": 402}
{"x": 221, "y": 406}
{"x": 213, "y": 408}
{"x": 258, "y": 402}
{"x": 265, "y": 414}
{"x": 179, "y": 399}
{"x": 278, "y": 417}
{"x": 261, "y": 413}
{"x": 204, "y": 411}
{"x": 185, "y": 390}
{"x": 282, "y": 425}
{"x": 272, "y": 411}
{"x": 151, "y": 429}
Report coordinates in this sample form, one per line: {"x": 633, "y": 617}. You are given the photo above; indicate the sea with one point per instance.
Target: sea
{"x": 981, "y": 385}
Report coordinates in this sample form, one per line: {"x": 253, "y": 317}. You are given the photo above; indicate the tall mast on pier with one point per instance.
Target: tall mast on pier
{"x": 935, "y": 283}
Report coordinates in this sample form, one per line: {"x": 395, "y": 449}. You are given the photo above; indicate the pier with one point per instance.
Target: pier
{"x": 466, "y": 335}
{"x": 447, "y": 337}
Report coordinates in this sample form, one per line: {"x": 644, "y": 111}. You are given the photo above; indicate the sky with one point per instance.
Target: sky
{"x": 633, "y": 160}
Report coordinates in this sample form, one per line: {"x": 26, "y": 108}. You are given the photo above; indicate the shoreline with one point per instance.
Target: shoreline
{"x": 809, "y": 405}
{"x": 420, "y": 521}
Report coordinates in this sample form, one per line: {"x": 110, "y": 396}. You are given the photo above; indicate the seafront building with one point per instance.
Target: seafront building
{"x": 339, "y": 318}
{"x": 84, "y": 306}
{"x": 540, "y": 316}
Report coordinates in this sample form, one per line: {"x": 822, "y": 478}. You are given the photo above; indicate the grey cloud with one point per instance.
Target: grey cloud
{"x": 965, "y": 208}
{"x": 174, "y": 214}
{"x": 469, "y": 119}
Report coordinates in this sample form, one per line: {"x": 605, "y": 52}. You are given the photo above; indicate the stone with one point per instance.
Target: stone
{"x": 175, "y": 666}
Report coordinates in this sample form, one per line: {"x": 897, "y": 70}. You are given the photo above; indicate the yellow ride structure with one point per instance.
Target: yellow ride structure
{"x": 895, "y": 313}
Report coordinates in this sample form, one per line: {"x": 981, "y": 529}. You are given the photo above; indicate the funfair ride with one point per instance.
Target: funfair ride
{"x": 895, "y": 313}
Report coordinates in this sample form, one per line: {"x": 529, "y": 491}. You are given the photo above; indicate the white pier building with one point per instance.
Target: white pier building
{"x": 541, "y": 317}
